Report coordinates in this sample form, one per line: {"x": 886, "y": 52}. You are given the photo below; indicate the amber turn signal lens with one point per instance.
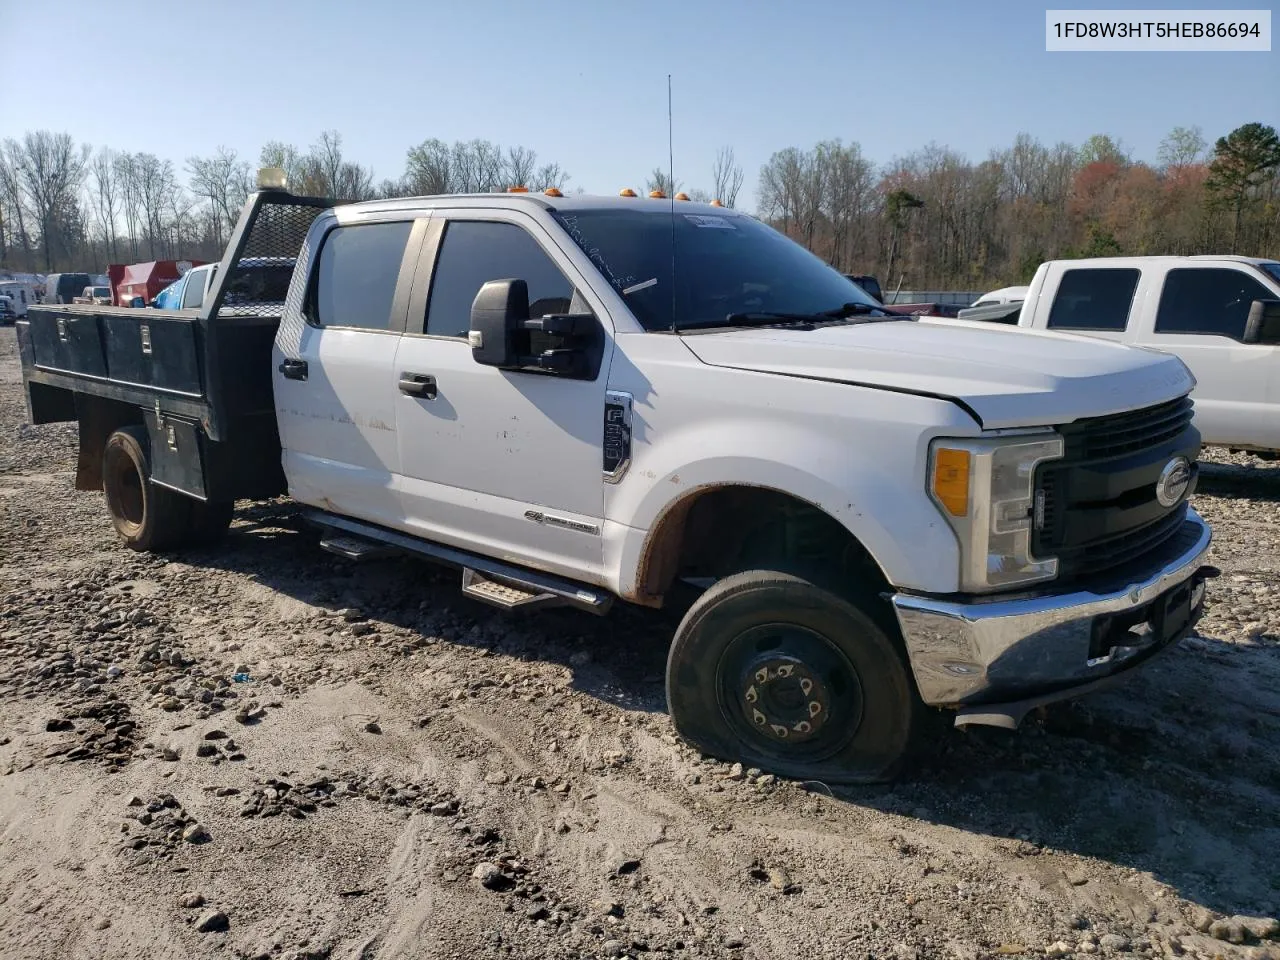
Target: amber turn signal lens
{"x": 951, "y": 480}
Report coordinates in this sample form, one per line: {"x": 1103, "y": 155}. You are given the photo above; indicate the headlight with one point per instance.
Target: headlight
{"x": 985, "y": 487}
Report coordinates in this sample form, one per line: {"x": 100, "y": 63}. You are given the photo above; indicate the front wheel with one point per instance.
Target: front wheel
{"x": 770, "y": 669}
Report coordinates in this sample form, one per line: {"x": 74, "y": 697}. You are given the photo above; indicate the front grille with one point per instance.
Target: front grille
{"x": 1099, "y": 506}
{"x": 1102, "y": 555}
{"x": 1122, "y": 433}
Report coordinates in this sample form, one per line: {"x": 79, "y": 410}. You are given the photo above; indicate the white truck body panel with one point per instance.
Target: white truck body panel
{"x": 1237, "y": 390}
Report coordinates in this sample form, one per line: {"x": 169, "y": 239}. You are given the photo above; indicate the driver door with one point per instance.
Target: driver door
{"x": 504, "y": 462}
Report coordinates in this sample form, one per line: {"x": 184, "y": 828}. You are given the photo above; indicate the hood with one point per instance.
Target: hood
{"x": 1006, "y": 377}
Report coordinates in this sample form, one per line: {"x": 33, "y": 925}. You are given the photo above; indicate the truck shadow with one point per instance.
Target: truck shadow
{"x": 1258, "y": 480}
{"x": 1175, "y": 772}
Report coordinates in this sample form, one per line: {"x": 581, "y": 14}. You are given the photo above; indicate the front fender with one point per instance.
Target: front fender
{"x": 869, "y": 479}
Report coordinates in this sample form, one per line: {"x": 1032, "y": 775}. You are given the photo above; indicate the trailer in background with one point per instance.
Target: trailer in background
{"x": 145, "y": 280}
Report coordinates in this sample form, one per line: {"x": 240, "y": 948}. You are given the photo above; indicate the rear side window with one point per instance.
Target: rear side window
{"x": 193, "y": 292}
{"x": 1213, "y": 302}
{"x": 357, "y": 274}
{"x": 474, "y": 252}
{"x": 1094, "y": 299}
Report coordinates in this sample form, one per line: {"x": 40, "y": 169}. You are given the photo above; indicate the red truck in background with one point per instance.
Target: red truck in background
{"x": 145, "y": 280}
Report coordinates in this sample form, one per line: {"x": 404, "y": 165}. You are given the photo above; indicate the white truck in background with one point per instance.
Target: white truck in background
{"x": 577, "y": 400}
{"x": 1220, "y": 315}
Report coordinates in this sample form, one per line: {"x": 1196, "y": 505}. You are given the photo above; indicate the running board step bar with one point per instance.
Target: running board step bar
{"x": 484, "y": 578}
{"x": 505, "y": 595}
{"x": 355, "y": 548}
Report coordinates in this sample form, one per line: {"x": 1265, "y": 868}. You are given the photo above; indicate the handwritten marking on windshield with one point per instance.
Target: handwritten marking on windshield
{"x": 651, "y": 282}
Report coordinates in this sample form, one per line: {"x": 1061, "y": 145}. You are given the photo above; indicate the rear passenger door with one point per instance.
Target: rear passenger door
{"x": 335, "y": 389}
{"x": 1201, "y": 319}
{"x": 505, "y": 462}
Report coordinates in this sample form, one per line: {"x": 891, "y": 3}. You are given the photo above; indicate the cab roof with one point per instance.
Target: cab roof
{"x": 566, "y": 203}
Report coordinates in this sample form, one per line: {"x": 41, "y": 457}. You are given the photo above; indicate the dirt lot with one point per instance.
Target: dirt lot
{"x": 259, "y": 750}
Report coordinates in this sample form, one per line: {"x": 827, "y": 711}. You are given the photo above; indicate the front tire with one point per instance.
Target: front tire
{"x": 148, "y": 517}
{"x": 775, "y": 671}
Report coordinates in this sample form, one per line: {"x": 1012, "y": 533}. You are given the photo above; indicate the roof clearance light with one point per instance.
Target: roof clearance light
{"x": 626, "y": 192}
{"x": 716, "y": 203}
{"x": 517, "y": 189}
{"x": 657, "y": 195}
{"x": 553, "y": 192}
{"x": 682, "y": 196}
{"x": 271, "y": 178}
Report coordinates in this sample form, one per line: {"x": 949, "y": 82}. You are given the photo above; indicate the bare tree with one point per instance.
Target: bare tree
{"x": 726, "y": 177}
{"x": 661, "y": 180}
{"x": 155, "y": 182}
{"x": 106, "y": 196}
{"x": 220, "y": 179}
{"x": 520, "y": 166}
{"x": 11, "y": 204}
{"x": 550, "y": 175}
{"x": 429, "y": 168}
{"x": 126, "y": 172}
{"x": 51, "y": 169}
{"x": 1182, "y": 148}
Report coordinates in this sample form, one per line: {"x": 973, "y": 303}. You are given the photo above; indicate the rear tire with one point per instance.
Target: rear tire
{"x": 148, "y": 517}
{"x": 775, "y": 671}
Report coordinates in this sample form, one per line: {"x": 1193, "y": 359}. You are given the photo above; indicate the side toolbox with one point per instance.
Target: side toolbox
{"x": 67, "y": 342}
{"x": 177, "y": 454}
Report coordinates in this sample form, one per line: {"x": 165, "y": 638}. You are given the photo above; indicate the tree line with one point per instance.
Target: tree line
{"x": 930, "y": 220}
{"x": 935, "y": 220}
{"x": 65, "y": 205}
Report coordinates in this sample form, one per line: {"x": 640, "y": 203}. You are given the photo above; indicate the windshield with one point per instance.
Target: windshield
{"x": 101, "y": 292}
{"x": 725, "y": 264}
{"x": 1271, "y": 268}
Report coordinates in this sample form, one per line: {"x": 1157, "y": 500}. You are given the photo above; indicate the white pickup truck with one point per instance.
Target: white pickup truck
{"x": 1219, "y": 315}
{"x": 542, "y": 392}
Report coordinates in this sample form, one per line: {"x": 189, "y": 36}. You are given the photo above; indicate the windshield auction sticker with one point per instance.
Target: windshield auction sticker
{"x": 714, "y": 223}
{"x": 1147, "y": 31}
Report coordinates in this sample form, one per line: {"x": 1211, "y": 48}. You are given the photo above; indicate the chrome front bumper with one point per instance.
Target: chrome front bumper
{"x": 995, "y": 658}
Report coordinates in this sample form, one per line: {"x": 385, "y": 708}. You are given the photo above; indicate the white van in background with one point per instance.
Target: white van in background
{"x": 21, "y": 293}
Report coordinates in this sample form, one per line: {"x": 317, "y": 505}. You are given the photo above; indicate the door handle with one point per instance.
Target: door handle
{"x": 294, "y": 369}
{"x": 418, "y": 385}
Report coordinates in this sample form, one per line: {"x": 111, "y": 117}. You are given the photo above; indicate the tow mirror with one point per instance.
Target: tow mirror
{"x": 498, "y": 311}
{"x": 503, "y": 334}
{"x": 1263, "y": 325}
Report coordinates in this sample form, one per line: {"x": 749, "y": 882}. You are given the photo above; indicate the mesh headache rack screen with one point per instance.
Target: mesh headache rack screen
{"x": 259, "y": 281}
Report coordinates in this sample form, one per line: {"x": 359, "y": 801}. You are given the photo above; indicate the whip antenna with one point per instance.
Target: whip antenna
{"x": 671, "y": 193}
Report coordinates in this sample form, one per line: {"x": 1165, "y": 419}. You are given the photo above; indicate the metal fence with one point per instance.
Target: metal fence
{"x": 958, "y": 297}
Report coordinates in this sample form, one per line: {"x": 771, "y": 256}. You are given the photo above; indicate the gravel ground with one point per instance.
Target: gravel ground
{"x": 259, "y": 750}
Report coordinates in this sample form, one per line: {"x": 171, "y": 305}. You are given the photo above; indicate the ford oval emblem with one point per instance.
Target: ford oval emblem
{"x": 1173, "y": 482}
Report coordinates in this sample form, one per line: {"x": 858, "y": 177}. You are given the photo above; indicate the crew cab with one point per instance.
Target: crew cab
{"x": 876, "y": 519}
{"x": 1220, "y": 315}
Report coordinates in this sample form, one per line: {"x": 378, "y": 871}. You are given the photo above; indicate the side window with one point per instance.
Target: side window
{"x": 474, "y": 252}
{"x": 357, "y": 273}
{"x": 193, "y": 291}
{"x": 1214, "y": 302}
{"x": 1094, "y": 299}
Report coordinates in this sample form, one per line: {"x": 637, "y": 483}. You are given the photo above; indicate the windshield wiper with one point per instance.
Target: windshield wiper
{"x": 803, "y": 320}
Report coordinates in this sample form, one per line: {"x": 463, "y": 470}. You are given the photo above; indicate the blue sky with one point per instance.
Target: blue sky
{"x": 584, "y": 83}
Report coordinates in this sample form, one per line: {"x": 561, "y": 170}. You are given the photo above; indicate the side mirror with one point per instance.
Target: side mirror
{"x": 1263, "y": 325}
{"x": 498, "y": 311}
{"x": 503, "y": 334}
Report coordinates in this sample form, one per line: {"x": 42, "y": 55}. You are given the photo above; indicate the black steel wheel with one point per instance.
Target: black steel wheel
{"x": 770, "y": 669}
{"x": 146, "y": 516}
